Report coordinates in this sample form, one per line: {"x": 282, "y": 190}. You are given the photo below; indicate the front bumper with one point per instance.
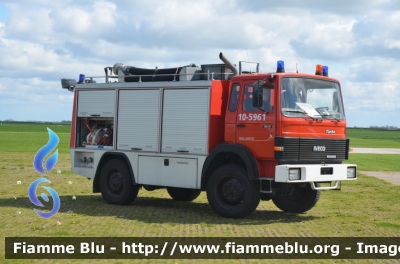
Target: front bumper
{"x": 315, "y": 173}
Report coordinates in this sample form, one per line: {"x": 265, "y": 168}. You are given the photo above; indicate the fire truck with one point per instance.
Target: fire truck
{"x": 240, "y": 136}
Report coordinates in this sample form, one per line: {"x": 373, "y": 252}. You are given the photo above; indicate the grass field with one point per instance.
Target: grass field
{"x": 375, "y": 162}
{"x": 34, "y": 127}
{"x": 19, "y": 137}
{"x": 369, "y": 138}
{"x": 366, "y": 207}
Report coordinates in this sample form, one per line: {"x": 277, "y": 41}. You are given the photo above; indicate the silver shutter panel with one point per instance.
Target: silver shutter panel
{"x": 96, "y": 103}
{"x": 138, "y": 119}
{"x": 185, "y": 120}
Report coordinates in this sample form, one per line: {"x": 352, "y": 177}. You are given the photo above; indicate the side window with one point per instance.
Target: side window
{"x": 248, "y": 98}
{"x": 233, "y": 100}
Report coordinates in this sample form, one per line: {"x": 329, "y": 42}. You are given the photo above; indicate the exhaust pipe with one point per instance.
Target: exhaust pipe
{"x": 228, "y": 63}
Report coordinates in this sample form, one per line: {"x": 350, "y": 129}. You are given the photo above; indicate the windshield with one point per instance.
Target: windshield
{"x": 311, "y": 97}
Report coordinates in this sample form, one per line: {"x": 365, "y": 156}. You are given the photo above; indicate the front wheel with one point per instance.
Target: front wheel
{"x": 183, "y": 194}
{"x": 231, "y": 194}
{"x": 299, "y": 199}
{"x": 116, "y": 183}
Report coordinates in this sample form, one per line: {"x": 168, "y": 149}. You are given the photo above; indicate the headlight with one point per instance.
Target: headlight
{"x": 294, "y": 174}
{"x": 351, "y": 172}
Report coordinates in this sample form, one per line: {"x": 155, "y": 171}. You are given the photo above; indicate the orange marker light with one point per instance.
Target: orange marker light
{"x": 318, "y": 69}
{"x": 278, "y": 148}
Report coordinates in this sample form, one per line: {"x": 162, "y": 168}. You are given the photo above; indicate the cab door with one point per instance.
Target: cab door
{"x": 255, "y": 128}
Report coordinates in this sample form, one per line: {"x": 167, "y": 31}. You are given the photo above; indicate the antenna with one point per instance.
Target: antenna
{"x": 297, "y": 71}
{"x": 248, "y": 59}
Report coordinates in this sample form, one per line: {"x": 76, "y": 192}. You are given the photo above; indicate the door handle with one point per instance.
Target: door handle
{"x": 240, "y": 125}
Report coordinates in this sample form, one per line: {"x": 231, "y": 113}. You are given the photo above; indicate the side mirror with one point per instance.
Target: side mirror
{"x": 257, "y": 97}
{"x": 258, "y": 92}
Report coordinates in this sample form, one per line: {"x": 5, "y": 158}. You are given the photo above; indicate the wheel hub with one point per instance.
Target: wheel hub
{"x": 115, "y": 182}
{"x": 232, "y": 191}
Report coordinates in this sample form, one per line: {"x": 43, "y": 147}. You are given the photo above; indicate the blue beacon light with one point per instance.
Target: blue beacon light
{"x": 325, "y": 70}
{"x": 81, "y": 78}
{"x": 280, "y": 66}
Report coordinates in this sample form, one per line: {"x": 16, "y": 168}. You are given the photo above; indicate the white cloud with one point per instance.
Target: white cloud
{"x": 383, "y": 97}
{"x": 44, "y": 40}
{"x": 76, "y": 22}
{"x": 392, "y": 43}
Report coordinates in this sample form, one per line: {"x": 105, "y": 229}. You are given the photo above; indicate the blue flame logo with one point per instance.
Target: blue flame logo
{"x": 38, "y": 165}
{"x": 44, "y": 151}
{"x": 32, "y": 196}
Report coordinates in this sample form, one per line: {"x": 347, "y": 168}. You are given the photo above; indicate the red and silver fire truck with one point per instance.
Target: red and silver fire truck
{"x": 240, "y": 136}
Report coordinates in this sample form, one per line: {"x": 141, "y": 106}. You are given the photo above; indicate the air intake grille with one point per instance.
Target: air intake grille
{"x": 311, "y": 149}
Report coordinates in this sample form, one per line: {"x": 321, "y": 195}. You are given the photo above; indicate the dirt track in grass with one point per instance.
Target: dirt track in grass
{"x": 389, "y": 176}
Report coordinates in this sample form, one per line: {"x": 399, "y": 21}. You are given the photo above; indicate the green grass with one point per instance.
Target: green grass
{"x": 25, "y": 142}
{"x": 375, "y": 162}
{"x": 28, "y": 138}
{"x": 365, "y": 207}
{"x": 374, "y": 143}
{"x": 34, "y": 127}
{"x": 370, "y": 138}
{"x": 372, "y": 133}
{"x": 155, "y": 214}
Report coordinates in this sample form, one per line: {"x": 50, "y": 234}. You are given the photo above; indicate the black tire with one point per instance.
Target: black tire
{"x": 183, "y": 194}
{"x": 231, "y": 194}
{"x": 116, "y": 183}
{"x": 301, "y": 199}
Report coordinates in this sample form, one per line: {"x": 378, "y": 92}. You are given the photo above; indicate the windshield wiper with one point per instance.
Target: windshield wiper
{"x": 301, "y": 112}
{"x": 331, "y": 116}
{"x": 296, "y": 111}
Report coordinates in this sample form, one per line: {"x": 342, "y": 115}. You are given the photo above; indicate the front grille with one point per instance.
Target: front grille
{"x": 311, "y": 149}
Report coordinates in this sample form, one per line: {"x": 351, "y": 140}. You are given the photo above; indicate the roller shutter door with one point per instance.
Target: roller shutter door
{"x": 138, "y": 120}
{"x": 185, "y": 120}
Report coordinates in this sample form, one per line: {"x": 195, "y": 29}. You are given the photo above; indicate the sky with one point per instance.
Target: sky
{"x": 42, "y": 41}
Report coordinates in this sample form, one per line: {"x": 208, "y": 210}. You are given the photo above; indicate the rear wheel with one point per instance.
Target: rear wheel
{"x": 299, "y": 199}
{"x": 116, "y": 183}
{"x": 231, "y": 194}
{"x": 183, "y": 194}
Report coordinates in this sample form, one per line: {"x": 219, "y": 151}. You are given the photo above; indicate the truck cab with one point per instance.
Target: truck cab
{"x": 265, "y": 110}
